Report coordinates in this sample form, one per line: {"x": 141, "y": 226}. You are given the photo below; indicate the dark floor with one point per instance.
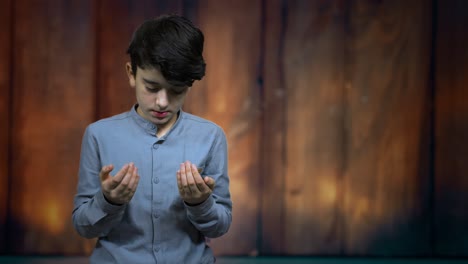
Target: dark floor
{"x": 247, "y": 260}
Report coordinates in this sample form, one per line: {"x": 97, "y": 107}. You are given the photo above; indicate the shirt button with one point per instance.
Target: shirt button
{"x": 156, "y": 180}
{"x": 155, "y": 146}
{"x": 157, "y": 248}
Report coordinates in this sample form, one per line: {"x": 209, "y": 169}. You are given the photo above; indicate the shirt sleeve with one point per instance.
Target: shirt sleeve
{"x": 92, "y": 215}
{"x": 213, "y": 217}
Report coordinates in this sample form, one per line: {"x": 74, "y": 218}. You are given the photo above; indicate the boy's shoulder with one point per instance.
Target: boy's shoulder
{"x": 111, "y": 121}
{"x": 199, "y": 122}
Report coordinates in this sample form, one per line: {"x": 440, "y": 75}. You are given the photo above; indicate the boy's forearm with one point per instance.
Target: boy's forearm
{"x": 96, "y": 217}
{"x": 211, "y": 218}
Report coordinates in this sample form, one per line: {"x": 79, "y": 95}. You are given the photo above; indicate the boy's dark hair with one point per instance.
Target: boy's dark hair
{"x": 171, "y": 44}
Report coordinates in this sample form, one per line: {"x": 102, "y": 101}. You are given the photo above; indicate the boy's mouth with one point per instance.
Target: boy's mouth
{"x": 159, "y": 114}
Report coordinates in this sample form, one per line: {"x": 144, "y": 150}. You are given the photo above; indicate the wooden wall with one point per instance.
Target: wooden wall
{"x": 345, "y": 119}
{"x": 387, "y": 172}
{"x": 303, "y": 122}
{"x": 5, "y": 84}
{"x": 451, "y": 128}
{"x": 53, "y": 100}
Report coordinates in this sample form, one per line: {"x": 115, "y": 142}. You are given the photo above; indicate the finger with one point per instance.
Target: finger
{"x": 201, "y": 185}
{"x": 130, "y": 189}
{"x": 183, "y": 179}
{"x": 210, "y": 182}
{"x": 179, "y": 184}
{"x": 124, "y": 183}
{"x": 134, "y": 181}
{"x": 115, "y": 180}
{"x": 104, "y": 173}
{"x": 130, "y": 192}
{"x": 108, "y": 181}
{"x": 190, "y": 180}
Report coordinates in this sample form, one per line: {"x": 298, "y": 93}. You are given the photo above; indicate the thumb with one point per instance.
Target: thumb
{"x": 104, "y": 174}
{"x": 210, "y": 182}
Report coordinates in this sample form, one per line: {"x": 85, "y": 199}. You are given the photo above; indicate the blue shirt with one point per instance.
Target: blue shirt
{"x": 156, "y": 226}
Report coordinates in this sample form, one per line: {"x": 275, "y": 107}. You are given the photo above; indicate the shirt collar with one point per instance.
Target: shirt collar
{"x": 149, "y": 127}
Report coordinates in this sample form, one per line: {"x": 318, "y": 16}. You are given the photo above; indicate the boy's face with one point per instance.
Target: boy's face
{"x": 158, "y": 101}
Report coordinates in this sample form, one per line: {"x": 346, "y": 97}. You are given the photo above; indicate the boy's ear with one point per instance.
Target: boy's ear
{"x": 130, "y": 75}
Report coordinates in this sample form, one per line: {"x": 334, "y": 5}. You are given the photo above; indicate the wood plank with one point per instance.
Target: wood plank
{"x": 118, "y": 19}
{"x": 5, "y": 88}
{"x": 312, "y": 67}
{"x": 53, "y": 102}
{"x": 229, "y": 96}
{"x": 451, "y": 129}
{"x": 387, "y": 183}
{"x": 273, "y": 136}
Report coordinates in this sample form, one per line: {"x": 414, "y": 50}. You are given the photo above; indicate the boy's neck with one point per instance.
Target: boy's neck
{"x": 162, "y": 130}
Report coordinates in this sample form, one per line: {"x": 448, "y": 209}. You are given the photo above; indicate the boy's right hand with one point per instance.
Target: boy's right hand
{"x": 119, "y": 189}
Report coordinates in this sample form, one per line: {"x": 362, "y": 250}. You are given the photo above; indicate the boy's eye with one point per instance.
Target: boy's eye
{"x": 152, "y": 89}
{"x": 177, "y": 92}
{"x": 173, "y": 91}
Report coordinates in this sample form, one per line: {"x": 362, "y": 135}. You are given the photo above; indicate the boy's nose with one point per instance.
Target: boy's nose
{"x": 161, "y": 99}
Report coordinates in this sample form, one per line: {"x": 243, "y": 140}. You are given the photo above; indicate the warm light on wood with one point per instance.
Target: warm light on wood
{"x": 53, "y": 216}
{"x": 327, "y": 193}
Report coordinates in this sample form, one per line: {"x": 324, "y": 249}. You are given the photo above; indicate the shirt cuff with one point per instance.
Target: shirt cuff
{"x": 105, "y": 206}
{"x": 201, "y": 209}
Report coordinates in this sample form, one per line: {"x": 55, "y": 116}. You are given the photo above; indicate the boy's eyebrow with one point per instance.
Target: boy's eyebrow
{"x": 177, "y": 88}
{"x": 150, "y": 81}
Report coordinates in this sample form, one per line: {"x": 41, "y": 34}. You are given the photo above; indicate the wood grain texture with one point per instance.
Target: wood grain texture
{"x": 326, "y": 106}
{"x": 117, "y": 21}
{"x": 387, "y": 182}
{"x": 229, "y": 96}
{"x": 5, "y": 88}
{"x": 313, "y": 82}
{"x": 273, "y": 138}
{"x": 53, "y": 102}
{"x": 451, "y": 128}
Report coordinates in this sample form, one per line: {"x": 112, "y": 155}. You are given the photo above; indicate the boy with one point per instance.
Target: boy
{"x": 171, "y": 189}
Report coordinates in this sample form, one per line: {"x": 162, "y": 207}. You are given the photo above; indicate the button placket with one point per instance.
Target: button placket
{"x": 155, "y": 177}
{"x": 156, "y": 214}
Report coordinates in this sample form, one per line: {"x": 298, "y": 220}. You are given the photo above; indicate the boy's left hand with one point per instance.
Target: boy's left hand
{"x": 193, "y": 188}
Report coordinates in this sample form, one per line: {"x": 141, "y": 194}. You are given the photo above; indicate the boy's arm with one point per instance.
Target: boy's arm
{"x": 93, "y": 216}
{"x": 213, "y": 216}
